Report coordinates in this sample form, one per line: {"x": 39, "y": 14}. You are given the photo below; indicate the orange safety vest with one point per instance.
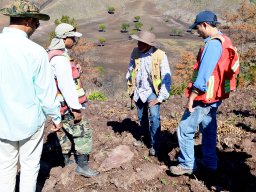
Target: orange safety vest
{"x": 223, "y": 79}
{"x": 76, "y": 77}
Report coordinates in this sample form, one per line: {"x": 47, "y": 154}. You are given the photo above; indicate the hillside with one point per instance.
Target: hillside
{"x": 123, "y": 167}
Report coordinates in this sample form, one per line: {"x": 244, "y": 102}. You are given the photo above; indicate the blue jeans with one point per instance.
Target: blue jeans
{"x": 152, "y": 122}
{"x": 204, "y": 116}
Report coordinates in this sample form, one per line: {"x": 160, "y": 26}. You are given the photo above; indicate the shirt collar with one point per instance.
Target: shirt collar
{"x": 149, "y": 52}
{"x": 15, "y": 30}
{"x": 208, "y": 38}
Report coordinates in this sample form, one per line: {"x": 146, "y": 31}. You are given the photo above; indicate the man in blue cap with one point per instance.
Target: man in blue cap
{"x": 213, "y": 80}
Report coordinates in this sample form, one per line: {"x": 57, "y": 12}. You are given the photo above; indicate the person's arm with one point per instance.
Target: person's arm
{"x": 209, "y": 59}
{"x": 65, "y": 80}
{"x": 130, "y": 68}
{"x": 164, "y": 92}
{"x": 46, "y": 91}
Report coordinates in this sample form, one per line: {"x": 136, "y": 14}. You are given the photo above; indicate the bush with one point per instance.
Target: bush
{"x": 124, "y": 27}
{"x": 97, "y": 96}
{"x": 132, "y": 32}
{"x": 136, "y": 18}
{"x": 178, "y": 89}
{"x": 111, "y": 10}
{"x": 138, "y": 26}
{"x": 176, "y": 32}
{"x": 102, "y": 27}
{"x": 102, "y": 40}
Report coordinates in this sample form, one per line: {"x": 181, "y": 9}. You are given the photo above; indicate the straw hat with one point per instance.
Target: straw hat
{"x": 146, "y": 37}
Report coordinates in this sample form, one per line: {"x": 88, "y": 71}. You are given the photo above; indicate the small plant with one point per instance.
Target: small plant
{"x": 101, "y": 70}
{"x": 102, "y": 27}
{"x": 176, "y": 32}
{"x": 102, "y": 41}
{"x": 136, "y": 18}
{"x": 138, "y": 26}
{"x": 147, "y": 158}
{"x": 111, "y": 10}
{"x": 99, "y": 96}
{"x": 132, "y": 32}
{"x": 178, "y": 89}
{"x": 124, "y": 27}
{"x": 163, "y": 181}
{"x": 254, "y": 105}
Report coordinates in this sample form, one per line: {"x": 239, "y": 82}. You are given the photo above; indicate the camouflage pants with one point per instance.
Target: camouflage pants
{"x": 75, "y": 137}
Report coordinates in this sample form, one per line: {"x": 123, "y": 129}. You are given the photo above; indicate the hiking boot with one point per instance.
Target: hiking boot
{"x": 179, "y": 170}
{"x": 138, "y": 143}
{"x": 83, "y": 168}
{"x": 152, "y": 152}
{"x": 67, "y": 160}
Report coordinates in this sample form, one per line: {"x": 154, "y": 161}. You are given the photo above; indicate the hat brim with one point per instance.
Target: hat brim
{"x": 74, "y": 34}
{"x": 39, "y": 16}
{"x": 196, "y": 23}
{"x": 139, "y": 39}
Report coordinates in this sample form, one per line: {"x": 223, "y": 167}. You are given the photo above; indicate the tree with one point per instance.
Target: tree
{"x": 102, "y": 27}
{"x": 136, "y": 18}
{"x": 124, "y": 27}
{"x": 138, "y": 26}
{"x": 111, "y": 10}
{"x": 102, "y": 40}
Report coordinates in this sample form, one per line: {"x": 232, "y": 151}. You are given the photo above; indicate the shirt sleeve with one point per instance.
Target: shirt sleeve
{"x": 164, "y": 92}
{"x": 130, "y": 68}
{"x": 209, "y": 59}
{"x": 46, "y": 90}
{"x": 63, "y": 73}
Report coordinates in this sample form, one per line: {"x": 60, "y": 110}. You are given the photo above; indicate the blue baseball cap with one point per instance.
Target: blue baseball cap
{"x": 205, "y": 16}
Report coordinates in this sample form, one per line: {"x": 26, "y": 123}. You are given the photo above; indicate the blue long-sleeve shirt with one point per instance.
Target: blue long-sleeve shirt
{"x": 27, "y": 87}
{"x": 209, "y": 59}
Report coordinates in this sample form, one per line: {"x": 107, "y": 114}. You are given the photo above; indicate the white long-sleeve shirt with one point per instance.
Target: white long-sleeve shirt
{"x": 62, "y": 70}
{"x": 27, "y": 87}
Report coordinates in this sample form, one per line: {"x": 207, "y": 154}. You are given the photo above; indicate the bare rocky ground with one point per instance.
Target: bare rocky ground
{"x": 124, "y": 167}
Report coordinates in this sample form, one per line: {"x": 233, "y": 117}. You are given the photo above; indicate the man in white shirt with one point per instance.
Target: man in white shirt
{"x": 27, "y": 96}
{"x": 73, "y": 138}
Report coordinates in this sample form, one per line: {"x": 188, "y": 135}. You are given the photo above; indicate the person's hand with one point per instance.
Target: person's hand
{"x": 189, "y": 105}
{"x": 56, "y": 127}
{"x": 77, "y": 114}
{"x": 153, "y": 102}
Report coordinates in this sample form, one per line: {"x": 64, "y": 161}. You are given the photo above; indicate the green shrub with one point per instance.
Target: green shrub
{"x": 102, "y": 40}
{"x": 178, "y": 89}
{"x": 124, "y": 27}
{"x": 102, "y": 27}
{"x": 97, "y": 96}
{"x": 111, "y": 9}
{"x": 100, "y": 69}
{"x": 136, "y": 18}
{"x": 138, "y": 26}
{"x": 176, "y": 32}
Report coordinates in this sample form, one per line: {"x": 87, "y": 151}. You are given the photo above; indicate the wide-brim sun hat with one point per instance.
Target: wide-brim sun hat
{"x": 145, "y": 37}
{"x": 24, "y": 9}
{"x": 65, "y": 30}
{"x": 205, "y": 16}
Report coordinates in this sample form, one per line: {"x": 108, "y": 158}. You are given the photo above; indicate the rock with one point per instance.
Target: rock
{"x": 119, "y": 155}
